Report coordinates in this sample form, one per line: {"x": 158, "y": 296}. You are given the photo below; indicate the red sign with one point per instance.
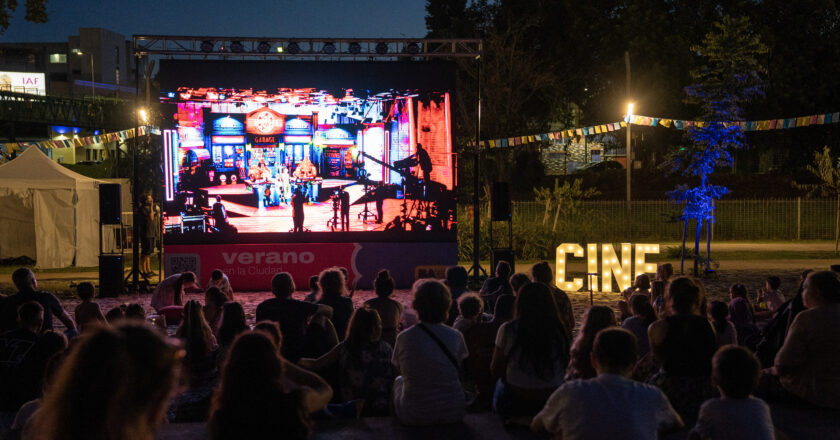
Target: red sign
{"x": 264, "y": 140}
{"x": 264, "y": 121}
{"x": 251, "y": 266}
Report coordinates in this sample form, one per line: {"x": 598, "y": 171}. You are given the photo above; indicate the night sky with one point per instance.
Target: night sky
{"x": 244, "y": 18}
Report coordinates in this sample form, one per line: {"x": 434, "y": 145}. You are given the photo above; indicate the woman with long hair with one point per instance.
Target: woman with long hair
{"x": 170, "y": 291}
{"x": 643, "y": 315}
{"x": 232, "y": 324}
{"x": 261, "y": 395}
{"x": 390, "y": 311}
{"x": 531, "y": 354}
{"x": 333, "y": 293}
{"x": 363, "y": 361}
{"x": 741, "y": 312}
{"x": 596, "y": 319}
{"x": 214, "y": 300}
{"x": 115, "y": 384}
{"x": 198, "y": 340}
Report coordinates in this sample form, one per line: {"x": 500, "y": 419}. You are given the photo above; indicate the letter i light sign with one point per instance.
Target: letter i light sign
{"x": 623, "y": 267}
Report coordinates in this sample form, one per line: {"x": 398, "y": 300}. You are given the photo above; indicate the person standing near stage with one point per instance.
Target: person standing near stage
{"x": 148, "y": 233}
{"x": 298, "y": 200}
{"x": 425, "y": 161}
{"x": 344, "y": 196}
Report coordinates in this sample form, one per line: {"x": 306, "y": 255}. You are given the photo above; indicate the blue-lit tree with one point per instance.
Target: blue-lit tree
{"x": 729, "y": 76}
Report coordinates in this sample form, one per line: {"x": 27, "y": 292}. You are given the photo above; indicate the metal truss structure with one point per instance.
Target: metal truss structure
{"x": 208, "y": 47}
{"x": 55, "y": 110}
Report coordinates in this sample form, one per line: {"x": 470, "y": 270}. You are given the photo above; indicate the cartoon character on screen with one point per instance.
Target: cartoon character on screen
{"x": 306, "y": 169}
{"x": 284, "y": 184}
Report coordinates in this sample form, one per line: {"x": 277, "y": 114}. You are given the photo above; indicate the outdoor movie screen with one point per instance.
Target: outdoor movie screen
{"x": 269, "y": 151}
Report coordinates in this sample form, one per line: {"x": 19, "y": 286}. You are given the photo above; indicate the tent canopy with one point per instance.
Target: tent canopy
{"x": 48, "y": 213}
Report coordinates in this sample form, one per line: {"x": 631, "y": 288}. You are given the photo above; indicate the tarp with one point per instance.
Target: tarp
{"x": 48, "y": 213}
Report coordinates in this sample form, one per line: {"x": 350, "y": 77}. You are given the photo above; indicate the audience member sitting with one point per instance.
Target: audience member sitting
{"x": 773, "y": 335}
{"x": 135, "y": 311}
{"x": 214, "y": 300}
{"x": 472, "y": 312}
{"x": 428, "y": 356}
{"x": 480, "y": 340}
{"x": 542, "y": 273}
{"x": 457, "y": 281}
{"x": 684, "y": 343}
{"x": 314, "y": 290}
{"x": 293, "y": 315}
{"x": 390, "y": 311}
{"x": 769, "y": 299}
{"x": 219, "y": 280}
{"x": 29, "y": 382}
{"x": 261, "y": 394}
{"x": 27, "y": 286}
{"x": 664, "y": 272}
{"x": 518, "y": 280}
{"x": 657, "y": 298}
{"x": 273, "y": 330}
{"x": 596, "y": 319}
{"x": 365, "y": 372}
{"x": 736, "y": 414}
{"x": 634, "y": 410}
{"x": 199, "y": 342}
{"x": 531, "y": 354}
{"x": 87, "y": 313}
{"x": 115, "y": 316}
{"x": 114, "y": 384}
{"x": 741, "y": 313}
{"x": 494, "y": 287}
{"x": 231, "y": 325}
{"x": 333, "y": 290}
{"x": 15, "y": 346}
{"x": 28, "y": 409}
{"x": 643, "y": 316}
{"x": 807, "y": 367}
{"x": 725, "y": 334}
{"x": 641, "y": 286}
{"x": 170, "y": 291}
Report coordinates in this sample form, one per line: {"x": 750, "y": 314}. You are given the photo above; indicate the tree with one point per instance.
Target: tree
{"x": 36, "y": 12}
{"x": 827, "y": 169}
{"x": 730, "y": 77}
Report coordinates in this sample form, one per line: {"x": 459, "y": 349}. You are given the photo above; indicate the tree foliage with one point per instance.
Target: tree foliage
{"x": 827, "y": 169}
{"x": 36, "y": 12}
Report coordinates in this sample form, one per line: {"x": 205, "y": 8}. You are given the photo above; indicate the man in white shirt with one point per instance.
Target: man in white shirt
{"x": 611, "y": 405}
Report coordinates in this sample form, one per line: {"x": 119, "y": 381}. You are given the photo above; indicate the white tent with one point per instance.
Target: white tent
{"x": 47, "y": 212}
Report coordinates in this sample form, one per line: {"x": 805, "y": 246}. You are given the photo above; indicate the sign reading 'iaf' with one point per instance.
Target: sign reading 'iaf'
{"x": 624, "y": 268}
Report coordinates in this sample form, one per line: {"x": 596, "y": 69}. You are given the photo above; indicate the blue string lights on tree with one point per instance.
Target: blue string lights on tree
{"x": 730, "y": 77}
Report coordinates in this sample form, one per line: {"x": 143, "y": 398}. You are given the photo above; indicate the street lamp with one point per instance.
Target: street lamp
{"x": 629, "y": 166}
{"x": 92, "y": 87}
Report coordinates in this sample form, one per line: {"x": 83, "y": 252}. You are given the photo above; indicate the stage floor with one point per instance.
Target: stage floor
{"x": 248, "y": 219}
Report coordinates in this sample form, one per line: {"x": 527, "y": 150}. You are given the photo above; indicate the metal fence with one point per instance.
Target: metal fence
{"x": 769, "y": 219}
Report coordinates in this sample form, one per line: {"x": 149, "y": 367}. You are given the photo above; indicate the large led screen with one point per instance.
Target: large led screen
{"x": 274, "y": 152}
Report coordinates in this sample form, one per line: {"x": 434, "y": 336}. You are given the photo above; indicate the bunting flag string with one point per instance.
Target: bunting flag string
{"x": 79, "y": 141}
{"x": 678, "y": 124}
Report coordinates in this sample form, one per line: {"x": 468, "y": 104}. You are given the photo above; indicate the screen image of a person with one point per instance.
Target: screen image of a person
{"x": 425, "y": 161}
{"x": 345, "y": 209}
{"x": 298, "y": 200}
{"x": 148, "y": 233}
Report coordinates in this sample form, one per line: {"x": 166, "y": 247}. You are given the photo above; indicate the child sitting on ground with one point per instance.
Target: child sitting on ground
{"x": 88, "y": 314}
{"x": 769, "y": 299}
{"x": 471, "y": 306}
{"x": 725, "y": 333}
{"x": 312, "y": 296}
{"x": 737, "y": 414}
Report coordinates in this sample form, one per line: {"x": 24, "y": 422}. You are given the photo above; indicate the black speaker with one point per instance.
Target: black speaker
{"x": 111, "y": 275}
{"x": 500, "y": 202}
{"x": 110, "y": 203}
{"x": 502, "y": 255}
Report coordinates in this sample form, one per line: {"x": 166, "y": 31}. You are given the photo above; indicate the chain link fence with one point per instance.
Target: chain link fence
{"x": 658, "y": 220}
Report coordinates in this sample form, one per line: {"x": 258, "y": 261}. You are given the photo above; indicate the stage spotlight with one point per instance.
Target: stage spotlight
{"x": 355, "y": 48}
{"x": 207, "y": 46}
{"x": 413, "y": 48}
{"x": 293, "y": 48}
{"x": 263, "y": 47}
{"x": 236, "y": 47}
{"x": 329, "y": 48}
{"x": 381, "y": 48}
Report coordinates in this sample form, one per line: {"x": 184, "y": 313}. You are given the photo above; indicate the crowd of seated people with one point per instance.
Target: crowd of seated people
{"x": 681, "y": 366}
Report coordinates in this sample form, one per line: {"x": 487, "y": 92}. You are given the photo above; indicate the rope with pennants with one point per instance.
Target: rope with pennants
{"x": 78, "y": 141}
{"x": 679, "y": 124}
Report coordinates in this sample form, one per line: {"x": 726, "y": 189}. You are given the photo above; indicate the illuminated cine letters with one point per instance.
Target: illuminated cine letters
{"x": 621, "y": 268}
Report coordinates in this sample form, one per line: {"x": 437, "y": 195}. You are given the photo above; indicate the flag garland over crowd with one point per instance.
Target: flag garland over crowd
{"x": 77, "y": 142}
{"x": 679, "y": 124}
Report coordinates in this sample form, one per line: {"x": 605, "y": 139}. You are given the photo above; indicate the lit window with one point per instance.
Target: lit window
{"x": 58, "y": 58}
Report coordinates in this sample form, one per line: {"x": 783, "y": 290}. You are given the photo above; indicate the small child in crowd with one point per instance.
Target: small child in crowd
{"x": 725, "y": 333}
{"x": 87, "y": 313}
{"x": 471, "y": 306}
{"x": 736, "y": 414}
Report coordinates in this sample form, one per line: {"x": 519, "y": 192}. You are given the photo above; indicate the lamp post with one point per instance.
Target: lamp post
{"x": 92, "y": 87}
{"x": 629, "y": 166}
